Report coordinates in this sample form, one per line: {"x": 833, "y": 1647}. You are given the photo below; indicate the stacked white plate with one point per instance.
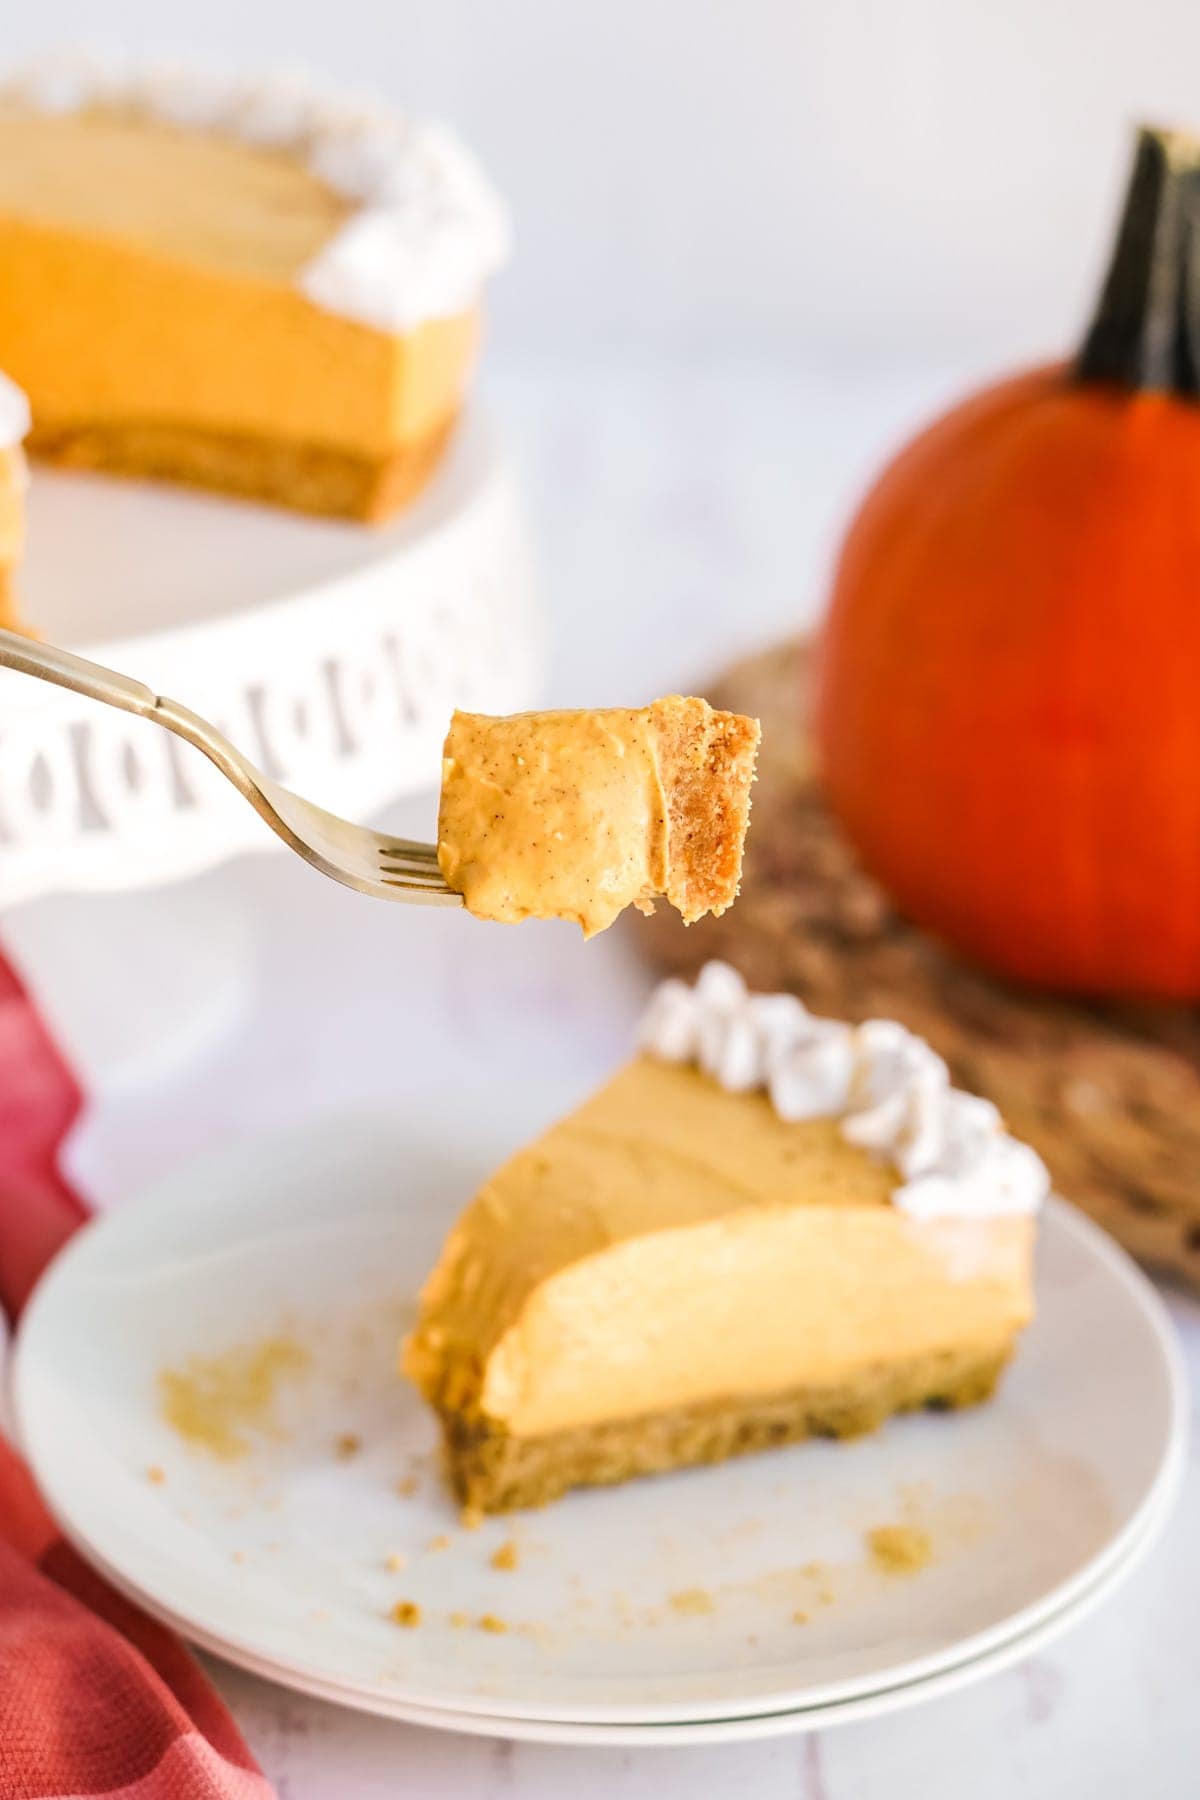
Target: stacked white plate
{"x": 734, "y": 1602}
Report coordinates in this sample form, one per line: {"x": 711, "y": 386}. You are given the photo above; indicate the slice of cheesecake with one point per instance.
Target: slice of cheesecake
{"x": 245, "y": 285}
{"x": 768, "y": 1226}
{"x": 14, "y": 423}
{"x": 576, "y": 815}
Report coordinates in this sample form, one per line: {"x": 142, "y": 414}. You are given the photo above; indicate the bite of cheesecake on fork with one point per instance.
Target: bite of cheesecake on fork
{"x": 577, "y": 815}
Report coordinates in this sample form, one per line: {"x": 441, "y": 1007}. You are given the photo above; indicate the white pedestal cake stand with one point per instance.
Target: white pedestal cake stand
{"x": 332, "y": 653}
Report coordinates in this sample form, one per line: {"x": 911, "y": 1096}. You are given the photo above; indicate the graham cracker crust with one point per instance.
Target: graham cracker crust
{"x": 493, "y": 1472}
{"x": 707, "y": 760}
{"x": 310, "y": 478}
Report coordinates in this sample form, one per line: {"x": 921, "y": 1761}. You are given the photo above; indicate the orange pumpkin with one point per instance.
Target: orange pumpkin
{"x": 1009, "y": 698}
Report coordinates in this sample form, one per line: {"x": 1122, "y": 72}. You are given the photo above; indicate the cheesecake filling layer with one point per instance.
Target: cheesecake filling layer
{"x": 554, "y": 814}
{"x": 149, "y": 278}
{"x": 622, "y": 1334}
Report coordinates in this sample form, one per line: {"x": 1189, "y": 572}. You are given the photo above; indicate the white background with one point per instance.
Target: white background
{"x": 757, "y": 240}
{"x": 847, "y": 179}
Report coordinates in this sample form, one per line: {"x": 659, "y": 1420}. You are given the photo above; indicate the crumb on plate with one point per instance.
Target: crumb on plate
{"x": 692, "y": 1600}
{"x": 219, "y": 1403}
{"x": 818, "y": 1574}
{"x": 899, "y": 1549}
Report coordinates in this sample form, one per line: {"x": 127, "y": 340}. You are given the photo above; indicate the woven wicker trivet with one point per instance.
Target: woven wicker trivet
{"x": 1109, "y": 1094}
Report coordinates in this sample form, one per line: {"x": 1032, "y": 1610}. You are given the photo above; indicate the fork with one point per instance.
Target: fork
{"x": 387, "y": 867}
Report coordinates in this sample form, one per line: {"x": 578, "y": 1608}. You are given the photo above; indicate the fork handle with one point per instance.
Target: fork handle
{"x": 29, "y": 656}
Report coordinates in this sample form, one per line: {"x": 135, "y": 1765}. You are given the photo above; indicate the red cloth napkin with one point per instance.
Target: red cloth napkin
{"x": 95, "y": 1699}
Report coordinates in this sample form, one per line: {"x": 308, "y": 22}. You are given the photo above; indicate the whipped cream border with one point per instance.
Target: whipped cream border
{"x": 426, "y": 230}
{"x": 891, "y": 1092}
{"x": 14, "y": 414}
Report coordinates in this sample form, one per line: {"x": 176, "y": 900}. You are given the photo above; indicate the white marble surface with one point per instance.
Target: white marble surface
{"x": 682, "y": 516}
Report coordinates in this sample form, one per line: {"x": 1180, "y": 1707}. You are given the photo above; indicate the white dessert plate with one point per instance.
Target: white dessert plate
{"x": 292, "y": 1264}
{"x": 803, "y": 1719}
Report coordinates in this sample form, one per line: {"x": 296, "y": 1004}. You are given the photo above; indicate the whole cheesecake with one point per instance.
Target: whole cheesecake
{"x": 14, "y": 424}
{"x": 768, "y": 1226}
{"x": 246, "y": 285}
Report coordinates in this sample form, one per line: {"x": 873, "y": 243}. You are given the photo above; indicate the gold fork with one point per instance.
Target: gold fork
{"x": 387, "y": 867}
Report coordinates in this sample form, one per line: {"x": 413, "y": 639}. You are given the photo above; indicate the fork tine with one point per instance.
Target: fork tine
{"x": 415, "y": 871}
{"x": 421, "y": 865}
{"x": 401, "y": 865}
{"x": 412, "y": 871}
{"x": 408, "y": 847}
{"x": 411, "y": 867}
{"x": 416, "y": 884}
{"x": 420, "y": 870}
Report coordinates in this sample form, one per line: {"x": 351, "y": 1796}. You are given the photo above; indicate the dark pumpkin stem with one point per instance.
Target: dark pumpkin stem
{"x": 1146, "y": 331}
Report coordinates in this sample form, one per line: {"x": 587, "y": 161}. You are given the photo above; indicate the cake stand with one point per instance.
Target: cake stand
{"x": 331, "y": 653}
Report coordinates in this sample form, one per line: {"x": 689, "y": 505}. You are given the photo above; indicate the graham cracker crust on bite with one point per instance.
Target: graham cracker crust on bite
{"x": 707, "y": 762}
